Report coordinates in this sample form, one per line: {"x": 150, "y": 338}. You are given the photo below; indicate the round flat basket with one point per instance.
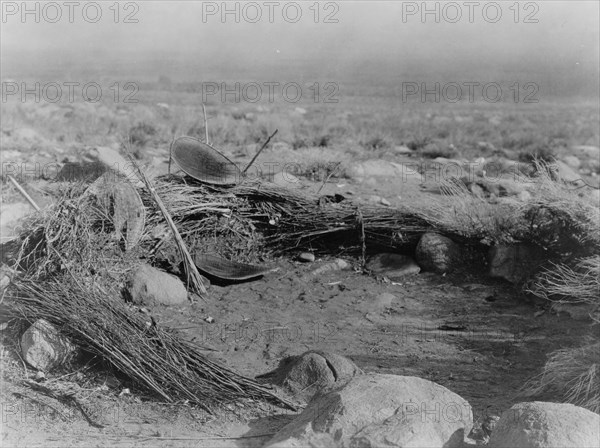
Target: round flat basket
{"x": 204, "y": 163}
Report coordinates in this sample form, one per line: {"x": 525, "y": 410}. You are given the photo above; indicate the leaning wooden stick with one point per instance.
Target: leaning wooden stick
{"x": 170, "y": 155}
{"x": 205, "y": 124}
{"x": 24, "y": 193}
{"x": 259, "y": 151}
{"x": 329, "y": 177}
{"x": 194, "y": 279}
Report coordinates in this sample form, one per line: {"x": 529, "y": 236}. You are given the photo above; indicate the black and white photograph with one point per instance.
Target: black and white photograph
{"x": 311, "y": 223}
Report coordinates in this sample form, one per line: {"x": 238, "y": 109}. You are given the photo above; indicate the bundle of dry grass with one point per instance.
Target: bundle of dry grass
{"x": 572, "y": 284}
{"x": 154, "y": 358}
{"x": 75, "y": 235}
{"x": 572, "y": 375}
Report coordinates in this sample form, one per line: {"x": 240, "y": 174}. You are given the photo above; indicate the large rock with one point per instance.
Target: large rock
{"x": 375, "y": 410}
{"x": 544, "y": 425}
{"x": 393, "y": 265}
{"x": 151, "y": 286}
{"x": 438, "y": 253}
{"x": 515, "y": 263}
{"x": 306, "y": 374}
{"x": 44, "y": 348}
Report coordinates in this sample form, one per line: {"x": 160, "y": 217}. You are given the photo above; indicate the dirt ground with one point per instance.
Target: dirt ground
{"x": 478, "y": 337}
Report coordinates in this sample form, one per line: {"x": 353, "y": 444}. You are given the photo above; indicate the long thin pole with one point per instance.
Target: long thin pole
{"x": 259, "y": 151}
{"x": 205, "y": 124}
{"x": 193, "y": 276}
{"x": 24, "y": 193}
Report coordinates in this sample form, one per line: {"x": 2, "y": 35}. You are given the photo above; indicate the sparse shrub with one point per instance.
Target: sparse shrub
{"x": 518, "y": 140}
{"x": 443, "y": 133}
{"x": 141, "y": 133}
{"x": 538, "y": 151}
{"x": 375, "y": 143}
{"x": 165, "y": 81}
{"x": 418, "y": 143}
{"x": 323, "y": 140}
{"x": 305, "y": 135}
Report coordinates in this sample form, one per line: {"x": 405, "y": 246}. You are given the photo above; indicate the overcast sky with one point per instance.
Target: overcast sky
{"x": 559, "y": 36}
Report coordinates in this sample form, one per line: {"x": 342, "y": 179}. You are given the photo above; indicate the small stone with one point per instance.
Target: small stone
{"x": 150, "y": 286}
{"x": 384, "y": 301}
{"x": 125, "y": 391}
{"x": 306, "y": 257}
{"x": 40, "y": 376}
{"x": 336, "y": 265}
{"x": 437, "y": 253}
{"x": 385, "y": 202}
{"x": 306, "y": 374}
{"x": 44, "y": 348}
{"x": 402, "y": 150}
{"x": 572, "y": 161}
{"x": 393, "y": 265}
{"x": 524, "y": 196}
{"x": 565, "y": 173}
{"x": 286, "y": 180}
{"x": 374, "y": 168}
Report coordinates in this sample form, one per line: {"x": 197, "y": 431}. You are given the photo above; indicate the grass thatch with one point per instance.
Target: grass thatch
{"x": 571, "y": 375}
{"x": 282, "y": 219}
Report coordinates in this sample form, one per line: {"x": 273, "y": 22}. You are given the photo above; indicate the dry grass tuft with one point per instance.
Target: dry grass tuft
{"x": 461, "y": 213}
{"x": 563, "y": 283}
{"x": 572, "y": 375}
